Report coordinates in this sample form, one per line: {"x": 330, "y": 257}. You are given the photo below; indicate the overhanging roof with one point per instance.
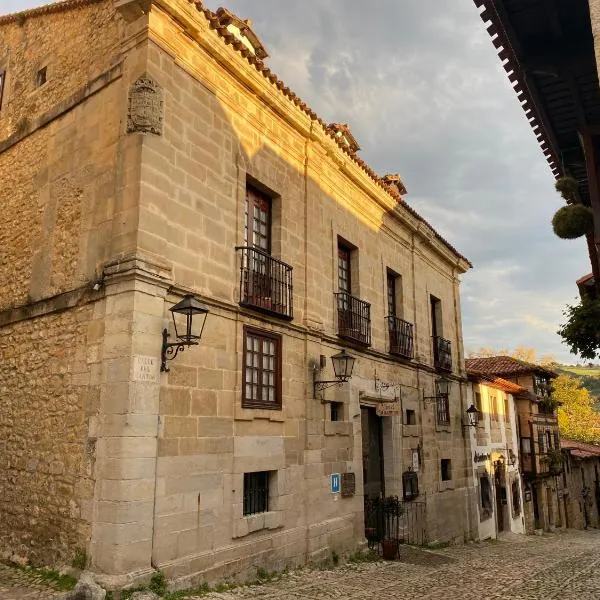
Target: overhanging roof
{"x": 547, "y": 50}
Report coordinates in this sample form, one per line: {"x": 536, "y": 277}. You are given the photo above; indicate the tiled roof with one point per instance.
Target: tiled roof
{"x": 55, "y": 7}
{"x": 497, "y": 382}
{"x": 588, "y": 279}
{"x": 504, "y": 365}
{"x": 579, "y": 449}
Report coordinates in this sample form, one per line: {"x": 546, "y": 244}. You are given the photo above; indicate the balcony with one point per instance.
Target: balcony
{"x": 265, "y": 283}
{"x": 401, "y": 337}
{"x": 442, "y": 354}
{"x": 354, "y": 319}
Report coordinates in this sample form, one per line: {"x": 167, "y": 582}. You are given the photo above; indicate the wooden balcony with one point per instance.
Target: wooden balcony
{"x": 442, "y": 354}
{"x": 401, "y": 337}
{"x": 354, "y": 319}
{"x": 265, "y": 283}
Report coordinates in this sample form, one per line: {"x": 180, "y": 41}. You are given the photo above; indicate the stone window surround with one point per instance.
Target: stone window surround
{"x": 244, "y": 525}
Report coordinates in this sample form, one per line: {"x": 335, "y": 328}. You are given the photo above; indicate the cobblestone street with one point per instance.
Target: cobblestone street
{"x": 561, "y": 565}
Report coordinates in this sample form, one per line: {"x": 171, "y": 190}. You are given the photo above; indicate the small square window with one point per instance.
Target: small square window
{"x": 411, "y": 417}
{"x": 256, "y": 492}
{"x": 41, "y": 77}
{"x": 336, "y": 411}
{"x": 446, "y": 467}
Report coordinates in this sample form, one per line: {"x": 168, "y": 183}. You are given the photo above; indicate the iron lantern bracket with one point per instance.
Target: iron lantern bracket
{"x": 319, "y": 386}
{"x": 170, "y": 350}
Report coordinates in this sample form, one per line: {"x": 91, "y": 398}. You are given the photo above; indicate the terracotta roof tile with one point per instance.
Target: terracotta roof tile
{"x": 498, "y": 382}
{"x": 580, "y": 449}
{"x": 504, "y": 365}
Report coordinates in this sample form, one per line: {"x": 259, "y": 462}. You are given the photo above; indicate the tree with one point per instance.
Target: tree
{"x": 577, "y": 419}
{"x": 581, "y": 332}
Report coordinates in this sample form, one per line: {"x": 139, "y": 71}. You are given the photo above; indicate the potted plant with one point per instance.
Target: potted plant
{"x": 392, "y": 509}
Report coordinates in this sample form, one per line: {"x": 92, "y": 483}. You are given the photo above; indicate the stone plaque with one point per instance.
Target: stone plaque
{"x": 348, "y": 485}
{"x": 145, "y": 368}
{"x": 145, "y": 113}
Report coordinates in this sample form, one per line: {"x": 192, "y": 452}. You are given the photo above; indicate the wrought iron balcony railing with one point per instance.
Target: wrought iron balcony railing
{"x": 442, "y": 354}
{"x": 401, "y": 337}
{"x": 354, "y": 319}
{"x": 265, "y": 283}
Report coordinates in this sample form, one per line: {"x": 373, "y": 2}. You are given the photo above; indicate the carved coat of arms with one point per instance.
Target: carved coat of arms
{"x": 145, "y": 114}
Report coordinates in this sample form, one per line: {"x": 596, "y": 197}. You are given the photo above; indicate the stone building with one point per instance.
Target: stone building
{"x": 581, "y": 483}
{"x": 539, "y": 441}
{"x": 148, "y": 154}
{"x": 495, "y": 455}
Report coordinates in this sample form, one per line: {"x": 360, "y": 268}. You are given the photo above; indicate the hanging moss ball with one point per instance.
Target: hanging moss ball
{"x": 572, "y": 221}
{"x": 567, "y": 187}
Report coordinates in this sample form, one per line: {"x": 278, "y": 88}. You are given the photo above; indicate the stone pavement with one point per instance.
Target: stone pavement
{"x": 563, "y": 566}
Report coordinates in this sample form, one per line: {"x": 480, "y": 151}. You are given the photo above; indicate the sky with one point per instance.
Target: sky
{"x": 422, "y": 88}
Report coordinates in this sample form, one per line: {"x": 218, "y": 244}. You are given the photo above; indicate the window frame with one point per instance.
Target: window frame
{"x": 261, "y": 334}
{"x": 442, "y": 407}
{"x": 392, "y": 303}
{"x": 409, "y": 412}
{"x": 344, "y": 253}
{"x": 336, "y": 409}
{"x": 253, "y": 195}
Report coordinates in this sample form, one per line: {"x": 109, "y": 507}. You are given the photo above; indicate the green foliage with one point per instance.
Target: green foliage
{"x": 202, "y": 590}
{"x": 263, "y": 575}
{"x": 577, "y": 417}
{"x": 572, "y": 221}
{"x": 79, "y": 560}
{"x": 49, "y": 577}
{"x": 581, "y": 332}
{"x": 158, "y": 583}
{"x": 567, "y": 187}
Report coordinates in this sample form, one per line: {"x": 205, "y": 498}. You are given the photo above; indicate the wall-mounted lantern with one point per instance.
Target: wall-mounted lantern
{"x": 442, "y": 390}
{"x": 187, "y": 330}
{"x": 472, "y": 417}
{"x": 343, "y": 365}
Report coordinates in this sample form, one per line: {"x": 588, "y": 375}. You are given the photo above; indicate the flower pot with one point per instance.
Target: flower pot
{"x": 389, "y": 549}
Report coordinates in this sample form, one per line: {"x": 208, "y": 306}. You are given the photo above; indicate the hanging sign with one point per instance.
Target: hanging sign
{"x": 388, "y": 409}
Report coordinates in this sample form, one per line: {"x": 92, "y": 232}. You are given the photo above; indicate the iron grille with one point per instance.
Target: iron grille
{"x": 354, "y": 319}
{"x": 443, "y": 409}
{"x": 256, "y": 492}
{"x": 401, "y": 337}
{"x": 392, "y": 519}
{"x": 442, "y": 354}
{"x": 265, "y": 283}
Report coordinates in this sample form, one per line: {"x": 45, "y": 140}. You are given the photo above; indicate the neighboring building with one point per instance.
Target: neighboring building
{"x": 147, "y": 152}
{"x": 495, "y": 454}
{"x": 587, "y": 287}
{"x": 581, "y": 481}
{"x": 551, "y": 52}
{"x": 539, "y": 441}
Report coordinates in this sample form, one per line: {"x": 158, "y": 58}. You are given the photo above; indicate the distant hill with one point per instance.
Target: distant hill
{"x": 589, "y": 376}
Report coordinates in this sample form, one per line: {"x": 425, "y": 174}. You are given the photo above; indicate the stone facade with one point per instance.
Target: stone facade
{"x": 581, "y": 484}
{"x": 132, "y": 177}
{"x": 495, "y": 447}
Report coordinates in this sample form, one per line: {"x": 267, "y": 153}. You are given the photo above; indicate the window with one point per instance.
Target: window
{"x": 336, "y": 411}
{"x": 494, "y": 408}
{"x": 256, "y": 492}
{"x": 344, "y": 274}
{"x": 443, "y": 409}
{"x": 411, "y": 417}
{"x": 516, "y": 497}
{"x": 540, "y": 442}
{"x": 410, "y": 485}
{"x": 446, "y": 468}
{"x": 485, "y": 496}
{"x": 478, "y": 402}
{"x": 257, "y": 226}
{"x": 391, "y": 294}
{"x": 41, "y": 77}
{"x": 549, "y": 440}
{"x": 541, "y": 385}
{"x": 2, "y": 80}
{"x": 436, "y": 316}
{"x": 262, "y": 369}
{"x": 506, "y": 407}
{"x": 526, "y": 445}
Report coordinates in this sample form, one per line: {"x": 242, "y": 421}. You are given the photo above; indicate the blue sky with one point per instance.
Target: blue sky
{"x": 422, "y": 88}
